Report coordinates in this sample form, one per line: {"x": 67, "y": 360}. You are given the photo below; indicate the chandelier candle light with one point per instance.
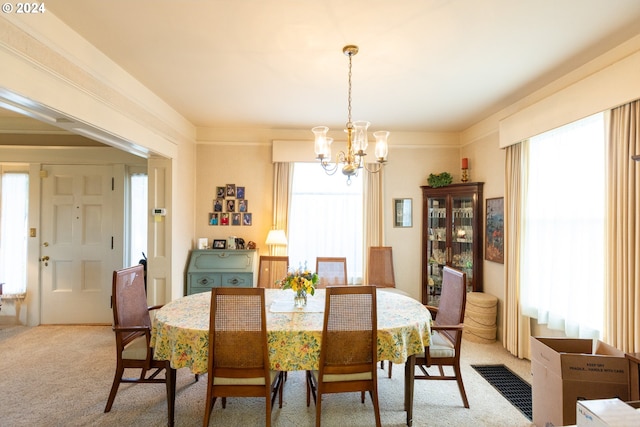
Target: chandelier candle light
{"x": 357, "y": 140}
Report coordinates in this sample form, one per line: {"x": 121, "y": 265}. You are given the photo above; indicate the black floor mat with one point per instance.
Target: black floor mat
{"x": 516, "y": 390}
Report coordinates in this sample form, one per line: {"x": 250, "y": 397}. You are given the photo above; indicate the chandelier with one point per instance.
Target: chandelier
{"x": 357, "y": 141}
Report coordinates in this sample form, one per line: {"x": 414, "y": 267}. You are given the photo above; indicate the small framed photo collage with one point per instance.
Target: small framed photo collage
{"x": 230, "y": 207}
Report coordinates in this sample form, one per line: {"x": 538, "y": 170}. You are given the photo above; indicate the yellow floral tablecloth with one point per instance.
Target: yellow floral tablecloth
{"x": 181, "y": 331}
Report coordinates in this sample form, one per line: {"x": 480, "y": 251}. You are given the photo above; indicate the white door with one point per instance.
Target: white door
{"x": 76, "y": 254}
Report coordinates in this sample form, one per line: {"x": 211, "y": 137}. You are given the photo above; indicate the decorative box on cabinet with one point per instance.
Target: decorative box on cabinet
{"x": 217, "y": 268}
{"x": 451, "y": 235}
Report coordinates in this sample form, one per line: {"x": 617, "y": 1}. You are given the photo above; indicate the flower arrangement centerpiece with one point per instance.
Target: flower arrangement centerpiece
{"x": 302, "y": 281}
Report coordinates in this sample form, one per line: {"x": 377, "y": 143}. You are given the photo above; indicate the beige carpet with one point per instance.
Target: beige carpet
{"x": 61, "y": 375}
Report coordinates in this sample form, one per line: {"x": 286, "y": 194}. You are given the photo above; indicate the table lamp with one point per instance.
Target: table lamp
{"x": 276, "y": 237}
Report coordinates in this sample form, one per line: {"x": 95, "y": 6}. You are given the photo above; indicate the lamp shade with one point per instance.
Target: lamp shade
{"x": 276, "y": 237}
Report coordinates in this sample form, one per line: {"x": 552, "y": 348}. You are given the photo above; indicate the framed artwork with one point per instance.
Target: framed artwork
{"x": 224, "y": 218}
{"x": 220, "y": 192}
{"x": 219, "y": 244}
{"x": 235, "y": 219}
{"x": 231, "y": 190}
{"x": 494, "y": 230}
{"x": 239, "y": 192}
{"x": 214, "y": 218}
{"x": 243, "y": 205}
{"x": 231, "y": 205}
{"x": 217, "y": 205}
{"x": 246, "y": 219}
{"x": 402, "y": 213}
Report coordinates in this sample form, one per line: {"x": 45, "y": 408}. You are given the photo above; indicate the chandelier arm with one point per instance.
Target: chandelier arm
{"x": 377, "y": 167}
{"x": 329, "y": 170}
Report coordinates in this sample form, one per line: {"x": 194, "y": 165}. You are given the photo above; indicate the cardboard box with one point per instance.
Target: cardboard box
{"x": 566, "y": 370}
{"x": 606, "y": 413}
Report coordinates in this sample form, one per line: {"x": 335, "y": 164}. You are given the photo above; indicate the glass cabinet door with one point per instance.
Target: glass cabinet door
{"x": 462, "y": 217}
{"x": 437, "y": 246}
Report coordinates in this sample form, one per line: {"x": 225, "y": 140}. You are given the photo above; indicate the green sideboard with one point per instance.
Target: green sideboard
{"x": 214, "y": 268}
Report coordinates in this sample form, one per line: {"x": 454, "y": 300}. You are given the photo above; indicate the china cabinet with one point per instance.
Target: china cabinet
{"x": 451, "y": 235}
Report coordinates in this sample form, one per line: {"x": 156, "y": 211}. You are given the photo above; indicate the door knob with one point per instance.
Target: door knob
{"x": 45, "y": 259}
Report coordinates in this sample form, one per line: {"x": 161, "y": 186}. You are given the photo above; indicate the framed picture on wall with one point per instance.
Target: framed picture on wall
{"x": 246, "y": 219}
{"x": 235, "y": 219}
{"x": 220, "y": 192}
{"x": 214, "y": 218}
{"x": 402, "y": 213}
{"x": 239, "y": 192}
{"x": 494, "y": 230}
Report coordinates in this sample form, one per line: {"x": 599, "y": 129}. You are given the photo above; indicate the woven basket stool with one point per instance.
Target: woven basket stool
{"x": 480, "y": 318}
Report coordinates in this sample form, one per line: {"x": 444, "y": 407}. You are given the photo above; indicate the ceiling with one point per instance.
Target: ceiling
{"x": 423, "y": 65}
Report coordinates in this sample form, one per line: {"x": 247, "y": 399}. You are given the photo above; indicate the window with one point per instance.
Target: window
{"x": 14, "y": 209}
{"x": 562, "y": 275}
{"x": 138, "y": 217}
{"x": 325, "y": 218}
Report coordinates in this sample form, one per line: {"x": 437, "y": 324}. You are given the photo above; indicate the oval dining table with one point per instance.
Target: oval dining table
{"x": 180, "y": 332}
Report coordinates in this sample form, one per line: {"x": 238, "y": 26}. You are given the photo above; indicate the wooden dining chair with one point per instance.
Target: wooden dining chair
{"x": 238, "y": 364}
{"x": 332, "y": 271}
{"x": 271, "y": 269}
{"x": 446, "y": 338}
{"x": 349, "y": 349}
{"x": 380, "y": 267}
{"x": 132, "y": 327}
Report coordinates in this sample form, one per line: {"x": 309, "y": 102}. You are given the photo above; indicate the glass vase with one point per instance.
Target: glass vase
{"x": 300, "y": 299}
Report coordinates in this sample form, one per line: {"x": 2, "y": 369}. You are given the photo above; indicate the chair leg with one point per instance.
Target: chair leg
{"x": 390, "y": 368}
{"x": 376, "y": 405}
{"x": 318, "y": 402}
{"x": 114, "y": 388}
{"x": 208, "y": 402}
{"x": 463, "y": 394}
{"x": 171, "y": 392}
{"x": 311, "y": 388}
{"x": 283, "y": 378}
{"x": 268, "y": 407}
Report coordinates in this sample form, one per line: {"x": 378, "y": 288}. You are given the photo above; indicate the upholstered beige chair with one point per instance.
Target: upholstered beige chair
{"x": 238, "y": 352}
{"x": 349, "y": 349}
{"x": 132, "y": 327}
{"x": 446, "y": 337}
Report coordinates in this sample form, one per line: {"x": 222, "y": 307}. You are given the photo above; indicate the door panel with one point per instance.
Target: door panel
{"x": 77, "y": 229}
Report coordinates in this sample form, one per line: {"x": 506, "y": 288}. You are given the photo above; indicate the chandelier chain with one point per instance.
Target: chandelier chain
{"x": 349, "y": 100}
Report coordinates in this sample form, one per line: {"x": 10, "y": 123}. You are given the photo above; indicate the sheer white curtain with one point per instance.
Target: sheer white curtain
{"x": 13, "y": 232}
{"x": 325, "y": 218}
{"x": 562, "y": 275}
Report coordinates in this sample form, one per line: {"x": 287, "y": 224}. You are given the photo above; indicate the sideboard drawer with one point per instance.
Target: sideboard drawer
{"x": 205, "y": 280}
{"x": 241, "y": 280}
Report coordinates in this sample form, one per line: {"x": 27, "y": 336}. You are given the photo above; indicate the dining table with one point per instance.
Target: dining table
{"x": 180, "y": 332}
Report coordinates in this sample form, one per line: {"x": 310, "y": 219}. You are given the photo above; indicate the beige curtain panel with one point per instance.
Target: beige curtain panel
{"x": 622, "y": 294}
